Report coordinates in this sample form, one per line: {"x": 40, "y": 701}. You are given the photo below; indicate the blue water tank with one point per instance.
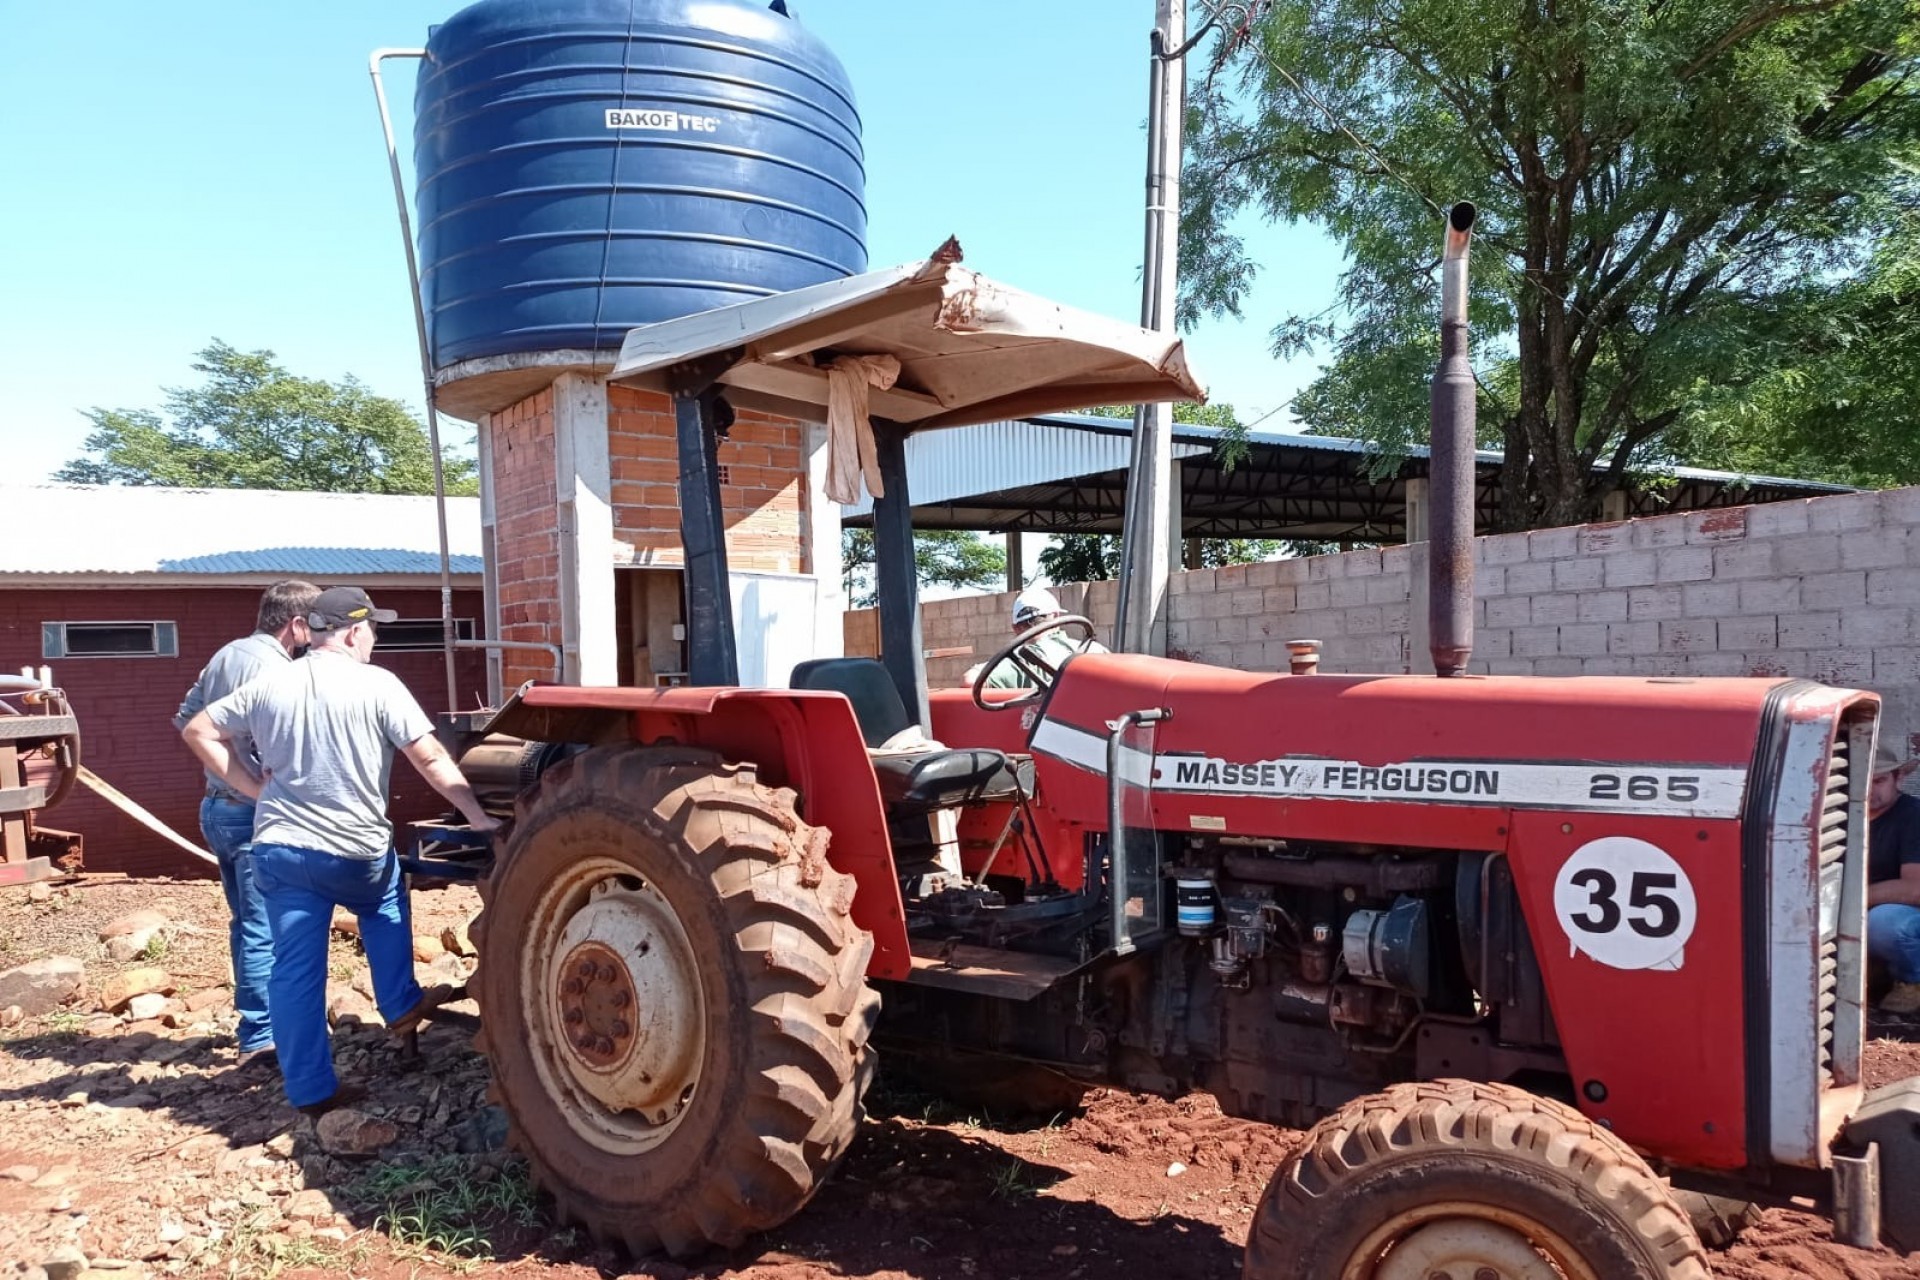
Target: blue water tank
{"x": 585, "y": 166}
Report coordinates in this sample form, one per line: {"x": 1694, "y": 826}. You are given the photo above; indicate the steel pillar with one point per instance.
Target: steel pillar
{"x": 895, "y": 577}
{"x": 701, "y": 416}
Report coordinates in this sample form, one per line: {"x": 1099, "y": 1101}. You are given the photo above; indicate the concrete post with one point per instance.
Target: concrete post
{"x": 1417, "y": 507}
{"x": 583, "y": 486}
{"x": 1016, "y": 561}
{"x": 823, "y": 550}
{"x": 490, "y": 563}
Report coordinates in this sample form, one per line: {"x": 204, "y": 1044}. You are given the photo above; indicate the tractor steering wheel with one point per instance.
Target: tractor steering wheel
{"x": 1030, "y": 664}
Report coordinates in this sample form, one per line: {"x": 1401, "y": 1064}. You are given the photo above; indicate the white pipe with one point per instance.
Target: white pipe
{"x": 426, "y": 362}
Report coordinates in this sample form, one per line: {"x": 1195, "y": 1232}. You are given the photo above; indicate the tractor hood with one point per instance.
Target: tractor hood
{"x": 970, "y": 349}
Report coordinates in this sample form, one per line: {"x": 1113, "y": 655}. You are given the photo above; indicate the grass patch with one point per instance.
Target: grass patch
{"x": 65, "y": 1022}
{"x": 156, "y": 948}
{"x": 447, "y": 1207}
{"x": 1011, "y": 1182}
{"x": 248, "y": 1249}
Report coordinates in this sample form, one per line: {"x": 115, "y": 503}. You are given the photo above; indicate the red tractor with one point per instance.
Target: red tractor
{"x": 1527, "y": 953}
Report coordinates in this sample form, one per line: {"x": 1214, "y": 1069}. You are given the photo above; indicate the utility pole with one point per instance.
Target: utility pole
{"x": 1148, "y": 534}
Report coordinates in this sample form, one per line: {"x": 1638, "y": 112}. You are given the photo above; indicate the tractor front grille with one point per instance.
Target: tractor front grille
{"x": 1836, "y": 817}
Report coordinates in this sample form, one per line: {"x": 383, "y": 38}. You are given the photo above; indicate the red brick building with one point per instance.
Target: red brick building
{"x": 126, "y": 592}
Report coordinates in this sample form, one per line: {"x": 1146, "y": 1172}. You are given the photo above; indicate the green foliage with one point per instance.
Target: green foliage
{"x": 1679, "y": 200}
{"x": 941, "y": 557}
{"x": 1233, "y": 441}
{"x": 447, "y": 1209}
{"x": 1834, "y": 380}
{"x": 251, "y": 424}
{"x": 1095, "y": 557}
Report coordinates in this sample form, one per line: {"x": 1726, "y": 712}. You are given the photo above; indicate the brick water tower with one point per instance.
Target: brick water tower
{"x": 585, "y": 167}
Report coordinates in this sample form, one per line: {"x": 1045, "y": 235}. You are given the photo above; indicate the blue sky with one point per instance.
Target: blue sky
{"x": 214, "y": 169}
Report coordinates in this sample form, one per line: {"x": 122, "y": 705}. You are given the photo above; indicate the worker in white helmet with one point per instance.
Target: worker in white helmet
{"x": 1032, "y": 607}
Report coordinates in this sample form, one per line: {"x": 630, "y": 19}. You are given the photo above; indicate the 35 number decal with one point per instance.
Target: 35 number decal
{"x": 1650, "y": 893}
{"x": 1626, "y": 903}
{"x": 1679, "y": 788}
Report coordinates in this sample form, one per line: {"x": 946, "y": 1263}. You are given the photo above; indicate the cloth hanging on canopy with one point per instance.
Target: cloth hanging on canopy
{"x": 851, "y": 454}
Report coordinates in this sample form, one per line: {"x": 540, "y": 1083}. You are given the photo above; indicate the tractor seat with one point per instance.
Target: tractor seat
{"x": 910, "y": 781}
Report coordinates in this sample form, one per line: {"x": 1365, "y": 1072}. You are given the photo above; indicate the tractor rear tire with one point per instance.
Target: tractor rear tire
{"x": 1464, "y": 1180}
{"x": 673, "y": 998}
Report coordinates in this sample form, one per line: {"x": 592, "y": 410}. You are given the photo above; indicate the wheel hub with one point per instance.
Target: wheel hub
{"x": 1466, "y": 1249}
{"x": 597, "y": 1005}
{"x": 621, "y": 1010}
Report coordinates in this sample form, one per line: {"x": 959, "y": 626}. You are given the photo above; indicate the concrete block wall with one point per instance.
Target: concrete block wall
{"x": 1823, "y": 588}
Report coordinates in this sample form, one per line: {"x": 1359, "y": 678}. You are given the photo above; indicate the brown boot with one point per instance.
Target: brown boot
{"x": 430, "y": 999}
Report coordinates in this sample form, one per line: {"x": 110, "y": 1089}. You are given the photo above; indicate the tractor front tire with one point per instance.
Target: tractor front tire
{"x": 1468, "y": 1181}
{"x": 673, "y": 998}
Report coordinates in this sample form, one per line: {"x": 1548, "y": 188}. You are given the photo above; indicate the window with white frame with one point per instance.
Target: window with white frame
{"x": 109, "y": 640}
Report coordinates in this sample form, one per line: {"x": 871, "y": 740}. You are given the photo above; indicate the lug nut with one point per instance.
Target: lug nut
{"x": 621, "y": 999}
{"x": 572, "y": 987}
{"x": 620, "y": 1030}
{"x": 583, "y": 1041}
{"x": 1486, "y": 1273}
{"x": 603, "y": 1045}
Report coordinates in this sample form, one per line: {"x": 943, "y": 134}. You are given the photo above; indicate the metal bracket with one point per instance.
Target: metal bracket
{"x": 1856, "y": 1198}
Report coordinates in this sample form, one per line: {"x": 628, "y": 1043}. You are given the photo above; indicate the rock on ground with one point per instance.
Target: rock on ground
{"x": 347, "y": 1132}
{"x": 148, "y": 1005}
{"x": 64, "y": 1263}
{"x": 42, "y": 985}
{"x": 134, "y": 922}
{"x": 116, "y": 991}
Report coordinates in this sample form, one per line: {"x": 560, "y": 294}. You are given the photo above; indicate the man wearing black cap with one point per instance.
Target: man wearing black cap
{"x": 1893, "y": 880}
{"x": 326, "y": 730}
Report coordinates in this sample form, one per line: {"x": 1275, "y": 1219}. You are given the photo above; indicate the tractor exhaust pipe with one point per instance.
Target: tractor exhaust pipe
{"x": 1450, "y": 477}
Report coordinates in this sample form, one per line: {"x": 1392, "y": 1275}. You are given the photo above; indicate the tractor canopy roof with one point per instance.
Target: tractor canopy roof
{"x": 970, "y": 349}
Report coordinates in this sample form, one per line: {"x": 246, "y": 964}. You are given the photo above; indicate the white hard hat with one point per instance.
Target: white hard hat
{"x": 1034, "y": 604}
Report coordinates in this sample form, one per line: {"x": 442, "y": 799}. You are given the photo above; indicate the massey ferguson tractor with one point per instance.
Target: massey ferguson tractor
{"x": 1528, "y": 954}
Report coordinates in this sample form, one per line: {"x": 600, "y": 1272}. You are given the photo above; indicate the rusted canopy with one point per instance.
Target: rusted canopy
{"x": 970, "y": 349}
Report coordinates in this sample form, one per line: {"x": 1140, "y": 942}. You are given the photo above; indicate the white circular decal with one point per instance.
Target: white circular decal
{"x": 1626, "y": 903}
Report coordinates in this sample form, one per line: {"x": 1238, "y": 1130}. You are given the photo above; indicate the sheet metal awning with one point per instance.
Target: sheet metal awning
{"x": 1289, "y": 486}
{"x": 971, "y": 349}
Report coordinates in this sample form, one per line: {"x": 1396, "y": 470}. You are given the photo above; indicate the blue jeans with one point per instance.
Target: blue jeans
{"x": 1893, "y": 937}
{"x": 228, "y": 828}
{"x": 302, "y": 887}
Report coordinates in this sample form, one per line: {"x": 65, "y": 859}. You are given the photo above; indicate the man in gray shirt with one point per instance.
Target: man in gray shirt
{"x": 226, "y": 815}
{"x": 326, "y": 730}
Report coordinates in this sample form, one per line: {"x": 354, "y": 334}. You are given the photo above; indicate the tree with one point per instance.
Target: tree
{"x": 1095, "y": 557}
{"x": 253, "y": 425}
{"x": 1836, "y": 380}
{"x": 1651, "y": 174}
{"x": 941, "y": 557}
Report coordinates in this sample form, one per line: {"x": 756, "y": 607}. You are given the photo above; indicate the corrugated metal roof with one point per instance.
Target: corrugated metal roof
{"x": 957, "y": 462}
{"x": 1067, "y": 473}
{"x": 117, "y": 530}
{"x": 1340, "y": 444}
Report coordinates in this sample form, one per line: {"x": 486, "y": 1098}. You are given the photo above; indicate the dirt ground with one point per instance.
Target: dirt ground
{"x": 141, "y": 1146}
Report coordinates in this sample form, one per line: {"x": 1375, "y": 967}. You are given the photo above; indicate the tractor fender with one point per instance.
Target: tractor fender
{"x": 803, "y": 739}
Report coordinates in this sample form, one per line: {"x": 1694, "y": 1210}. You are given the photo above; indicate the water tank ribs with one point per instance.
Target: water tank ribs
{"x": 585, "y": 166}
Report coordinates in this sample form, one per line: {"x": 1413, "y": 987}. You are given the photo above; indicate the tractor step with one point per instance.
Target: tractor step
{"x": 987, "y": 971}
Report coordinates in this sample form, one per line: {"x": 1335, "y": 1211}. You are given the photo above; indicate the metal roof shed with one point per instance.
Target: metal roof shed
{"x": 1067, "y": 474}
